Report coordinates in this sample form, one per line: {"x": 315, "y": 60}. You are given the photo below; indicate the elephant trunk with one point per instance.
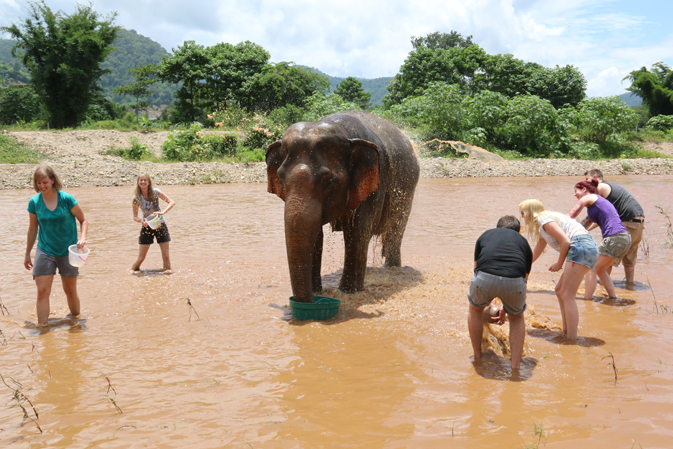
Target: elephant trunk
{"x": 302, "y": 225}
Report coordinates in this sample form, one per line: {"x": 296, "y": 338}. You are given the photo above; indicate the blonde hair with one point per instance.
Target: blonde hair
{"x": 138, "y": 193}
{"x": 533, "y": 210}
{"x": 45, "y": 171}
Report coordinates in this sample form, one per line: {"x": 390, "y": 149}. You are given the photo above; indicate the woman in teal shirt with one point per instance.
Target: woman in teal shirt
{"x": 52, "y": 220}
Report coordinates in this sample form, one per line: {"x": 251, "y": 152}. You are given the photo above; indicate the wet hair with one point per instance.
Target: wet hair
{"x": 45, "y": 171}
{"x": 138, "y": 193}
{"x": 591, "y": 186}
{"x": 509, "y": 222}
{"x": 594, "y": 172}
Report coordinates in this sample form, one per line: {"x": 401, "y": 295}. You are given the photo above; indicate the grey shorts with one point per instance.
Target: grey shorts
{"x": 485, "y": 287}
{"x": 616, "y": 245}
{"x": 45, "y": 265}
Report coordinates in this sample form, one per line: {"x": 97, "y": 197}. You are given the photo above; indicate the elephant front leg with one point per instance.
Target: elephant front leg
{"x": 317, "y": 262}
{"x": 355, "y": 264}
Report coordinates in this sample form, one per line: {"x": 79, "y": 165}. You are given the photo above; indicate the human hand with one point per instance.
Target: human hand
{"x": 81, "y": 243}
{"x": 499, "y": 319}
{"x": 158, "y": 213}
{"x": 144, "y": 222}
{"x": 556, "y": 267}
{"x": 28, "y": 263}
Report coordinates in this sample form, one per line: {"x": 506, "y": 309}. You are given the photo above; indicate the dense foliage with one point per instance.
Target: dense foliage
{"x": 655, "y": 87}
{"x": 63, "y": 54}
{"x": 18, "y": 104}
{"x": 351, "y": 90}
{"x": 448, "y": 58}
{"x": 140, "y": 88}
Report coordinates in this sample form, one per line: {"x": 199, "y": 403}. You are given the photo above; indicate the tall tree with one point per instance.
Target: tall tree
{"x": 229, "y": 67}
{"x": 442, "y": 40}
{"x": 187, "y": 65}
{"x": 63, "y": 54}
{"x": 145, "y": 76}
{"x": 351, "y": 90}
{"x": 281, "y": 84}
{"x": 655, "y": 87}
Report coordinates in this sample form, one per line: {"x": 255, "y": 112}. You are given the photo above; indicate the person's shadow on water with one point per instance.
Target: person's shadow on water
{"x": 492, "y": 366}
{"x": 380, "y": 285}
{"x": 560, "y": 339}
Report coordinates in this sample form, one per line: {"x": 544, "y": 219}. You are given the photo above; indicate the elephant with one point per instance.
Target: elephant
{"x": 353, "y": 170}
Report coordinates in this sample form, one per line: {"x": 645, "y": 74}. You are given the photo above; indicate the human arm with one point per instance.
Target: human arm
{"x": 585, "y": 201}
{"x": 83, "y": 223}
{"x": 539, "y": 247}
{"x": 552, "y": 228}
{"x": 30, "y": 240}
{"x": 136, "y": 218}
{"x": 170, "y": 202}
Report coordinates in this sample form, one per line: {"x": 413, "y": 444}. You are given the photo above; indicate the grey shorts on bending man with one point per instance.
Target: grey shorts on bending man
{"x": 616, "y": 245}
{"x": 485, "y": 287}
{"x": 45, "y": 265}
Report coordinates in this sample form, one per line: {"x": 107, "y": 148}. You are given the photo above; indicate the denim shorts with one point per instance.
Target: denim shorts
{"x": 45, "y": 265}
{"x": 485, "y": 287}
{"x": 616, "y": 245}
{"x": 583, "y": 250}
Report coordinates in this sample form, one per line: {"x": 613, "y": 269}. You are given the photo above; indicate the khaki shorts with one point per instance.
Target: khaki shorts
{"x": 636, "y": 231}
{"x": 616, "y": 245}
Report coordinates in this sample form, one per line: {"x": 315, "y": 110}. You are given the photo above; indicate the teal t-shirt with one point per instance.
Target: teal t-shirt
{"x": 58, "y": 228}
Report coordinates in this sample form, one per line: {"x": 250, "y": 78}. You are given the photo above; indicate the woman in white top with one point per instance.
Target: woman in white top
{"x": 576, "y": 248}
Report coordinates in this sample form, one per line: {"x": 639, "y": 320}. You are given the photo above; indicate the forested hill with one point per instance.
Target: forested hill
{"x": 133, "y": 50}
{"x": 375, "y": 86}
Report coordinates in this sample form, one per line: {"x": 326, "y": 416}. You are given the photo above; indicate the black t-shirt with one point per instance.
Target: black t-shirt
{"x": 626, "y": 205}
{"x": 503, "y": 252}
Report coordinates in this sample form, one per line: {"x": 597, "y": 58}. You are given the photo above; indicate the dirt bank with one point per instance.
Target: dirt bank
{"x": 78, "y": 157}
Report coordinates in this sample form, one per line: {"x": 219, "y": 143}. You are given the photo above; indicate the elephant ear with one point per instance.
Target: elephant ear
{"x": 364, "y": 169}
{"x": 274, "y": 159}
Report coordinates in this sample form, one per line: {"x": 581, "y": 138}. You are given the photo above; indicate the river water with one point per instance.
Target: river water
{"x": 393, "y": 369}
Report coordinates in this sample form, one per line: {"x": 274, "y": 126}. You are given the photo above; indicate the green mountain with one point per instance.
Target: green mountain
{"x": 378, "y": 87}
{"x": 131, "y": 50}
{"x": 631, "y": 99}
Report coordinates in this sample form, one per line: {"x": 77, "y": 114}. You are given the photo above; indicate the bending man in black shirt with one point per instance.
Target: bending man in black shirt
{"x": 631, "y": 214}
{"x": 502, "y": 263}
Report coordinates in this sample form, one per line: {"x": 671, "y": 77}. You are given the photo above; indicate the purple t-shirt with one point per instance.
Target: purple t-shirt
{"x": 604, "y": 214}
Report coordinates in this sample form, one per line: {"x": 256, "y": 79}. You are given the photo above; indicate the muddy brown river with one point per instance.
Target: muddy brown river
{"x": 143, "y": 368}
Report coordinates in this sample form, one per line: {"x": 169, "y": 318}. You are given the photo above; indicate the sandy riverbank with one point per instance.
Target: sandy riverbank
{"x": 78, "y": 157}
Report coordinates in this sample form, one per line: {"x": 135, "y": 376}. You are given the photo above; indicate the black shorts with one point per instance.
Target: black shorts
{"x": 148, "y": 234}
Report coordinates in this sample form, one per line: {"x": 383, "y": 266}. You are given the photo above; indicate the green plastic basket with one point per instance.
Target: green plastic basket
{"x": 323, "y": 308}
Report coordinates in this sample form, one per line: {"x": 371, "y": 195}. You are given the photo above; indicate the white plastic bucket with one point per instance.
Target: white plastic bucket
{"x": 155, "y": 222}
{"x": 77, "y": 257}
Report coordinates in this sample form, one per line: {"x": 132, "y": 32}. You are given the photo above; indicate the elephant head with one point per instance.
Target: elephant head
{"x": 321, "y": 174}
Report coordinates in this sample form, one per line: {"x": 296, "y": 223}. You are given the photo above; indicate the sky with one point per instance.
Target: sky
{"x": 604, "y": 39}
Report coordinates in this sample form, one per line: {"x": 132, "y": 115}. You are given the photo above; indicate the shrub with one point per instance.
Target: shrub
{"x": 18, "y": 104}
{"x": 258, "y": 138}
{"x": 599, "y": 119}
{"x": 661, "y": 123}
{"x": 136, "y": 152}
{"x": 221, "y": 145}
{"x": 584, "y": 150}
{"x": 320, "y": 106}
{"x": 187, "y": 145}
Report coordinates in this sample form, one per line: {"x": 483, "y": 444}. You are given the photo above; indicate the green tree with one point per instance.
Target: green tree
{"x": 18, "y": 104}
{"x": 187, "y": 65}
{"x": 281, "y": 85}
{"x": 425, "y": 65}
{"x": 63, "y": 54}
{"x": 229, "y": 68}
{"x": 655, "y": 87}
{"x": 442, "y": 40}
{"x": 145, "y": 76}
{"x": 320, "y": 105}
{"x": 351, "y": 90}
{"x": 601, "y": 119}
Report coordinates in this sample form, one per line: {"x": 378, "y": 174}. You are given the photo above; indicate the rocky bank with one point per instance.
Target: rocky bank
{"x": 80, "y": 160}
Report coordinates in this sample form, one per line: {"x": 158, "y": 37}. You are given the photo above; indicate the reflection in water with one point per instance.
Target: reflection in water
{"x": 393, "y": 369}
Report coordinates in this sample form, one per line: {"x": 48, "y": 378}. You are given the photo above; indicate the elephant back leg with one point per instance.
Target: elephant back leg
{"x": 392, "y": 239}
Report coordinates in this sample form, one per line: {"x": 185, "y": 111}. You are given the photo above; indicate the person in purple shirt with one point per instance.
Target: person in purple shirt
{"x": 616, "y": 238}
